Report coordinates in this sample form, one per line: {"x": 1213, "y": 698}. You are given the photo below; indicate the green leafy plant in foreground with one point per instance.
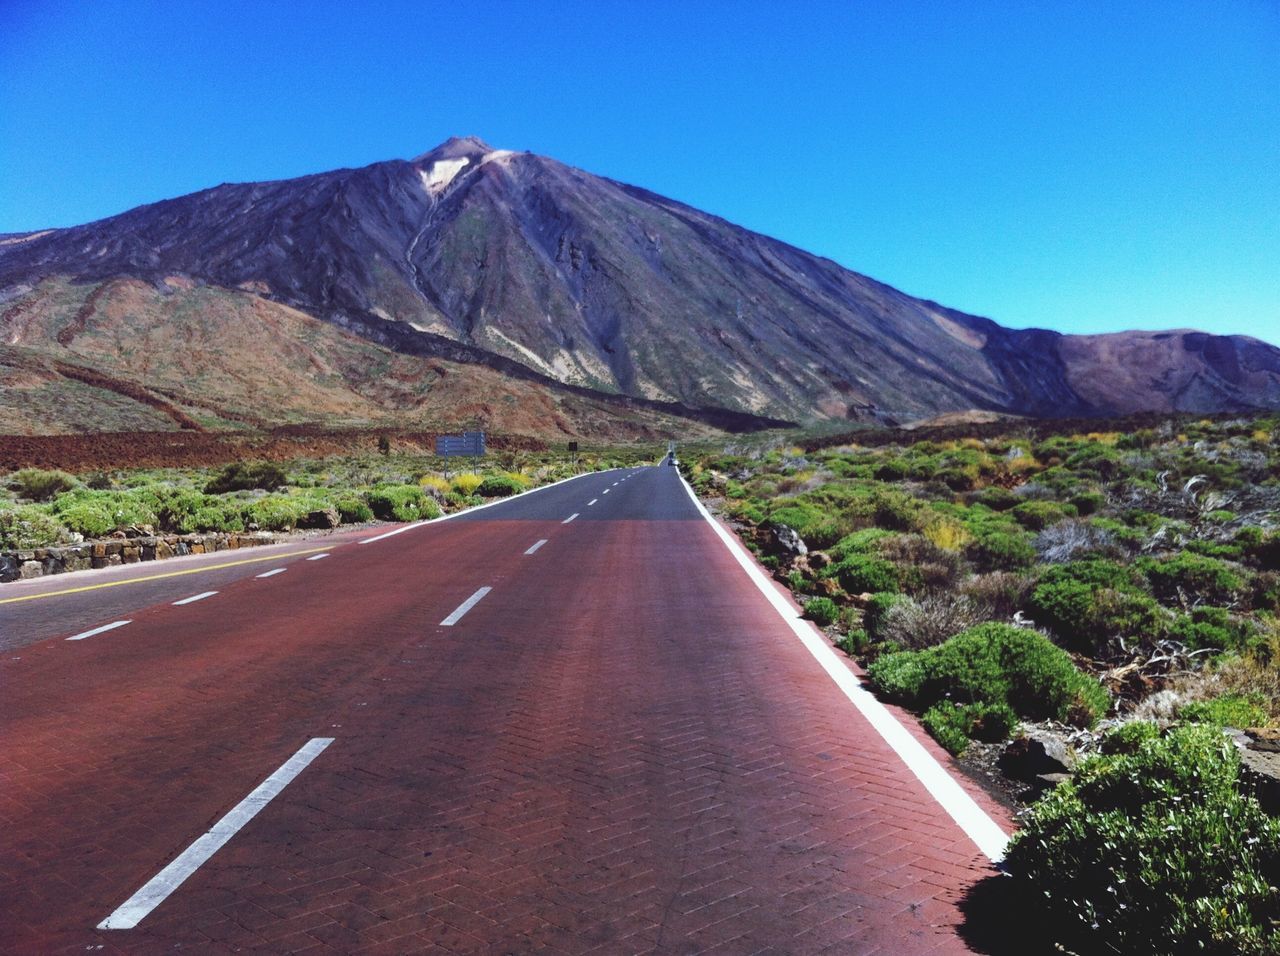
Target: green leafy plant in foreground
{"x": 29, "y": 527}
{"x": 954, "y": 725}
{"x": 1227, "y": 710}
{"x": 1152, "y": 849}
{"x": 821, "y": 610}
{"x": 994, "y": 664}
{"x": 37, "y": 484}
{"x": 402, "y": 503}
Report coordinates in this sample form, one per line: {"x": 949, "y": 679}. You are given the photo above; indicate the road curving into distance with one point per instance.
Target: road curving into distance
{"x": 570, "y": 721}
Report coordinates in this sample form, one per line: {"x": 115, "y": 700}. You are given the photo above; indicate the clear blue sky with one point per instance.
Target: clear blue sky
{"x": 1079, "y": 166}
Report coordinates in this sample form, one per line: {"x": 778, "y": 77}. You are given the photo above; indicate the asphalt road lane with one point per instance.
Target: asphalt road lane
{"x": 619, "y": 745}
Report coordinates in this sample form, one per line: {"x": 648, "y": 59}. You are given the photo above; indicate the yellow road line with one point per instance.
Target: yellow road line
{"x": 168, "y": 574}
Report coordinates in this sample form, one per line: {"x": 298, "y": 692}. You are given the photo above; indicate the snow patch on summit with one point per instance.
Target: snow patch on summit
{"x": 440, "y": 173}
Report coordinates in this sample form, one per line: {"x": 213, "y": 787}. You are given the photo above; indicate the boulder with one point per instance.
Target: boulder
{"x": 1265, "y": 739}
{"x": 321, "y": 518}
{"x": 1260, "y": 776}
{"x": 30, "y": 569}
{"x": 781, "y": 539}
{"x": 1035, "y": 753}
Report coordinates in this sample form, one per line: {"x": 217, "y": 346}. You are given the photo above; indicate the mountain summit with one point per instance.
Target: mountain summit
{"x": 537, "y": 268}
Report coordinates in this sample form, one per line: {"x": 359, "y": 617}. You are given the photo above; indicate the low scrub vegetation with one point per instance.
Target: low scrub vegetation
{"x": 993, "y": 664}
{"x": 50, "y": 508}
{"x": 1016, "y": 575}
{"x": 1152, "y": 848}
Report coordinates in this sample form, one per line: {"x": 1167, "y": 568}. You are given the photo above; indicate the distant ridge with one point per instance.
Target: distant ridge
{"x": 544, "y": 272}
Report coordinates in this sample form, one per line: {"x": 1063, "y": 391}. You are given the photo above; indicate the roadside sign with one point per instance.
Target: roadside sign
{"x": 466, "y": 445}
{"x": 469, "y": 444}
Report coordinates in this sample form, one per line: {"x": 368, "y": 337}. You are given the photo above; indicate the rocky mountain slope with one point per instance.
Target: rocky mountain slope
{"x": 541, "y": 271}
{"x": 123, "y": 355}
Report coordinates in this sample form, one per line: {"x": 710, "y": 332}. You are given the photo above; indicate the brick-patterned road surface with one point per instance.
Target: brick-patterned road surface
{"x": 622, "y": 748}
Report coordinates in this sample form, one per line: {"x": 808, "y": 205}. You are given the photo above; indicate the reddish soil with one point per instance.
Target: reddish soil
{"x": 108, "y": 450}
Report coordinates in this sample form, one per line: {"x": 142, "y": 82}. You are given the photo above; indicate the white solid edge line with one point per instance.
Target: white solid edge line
{"x": 195, "y": 597}
{"x": 317, "y": 557}
{"x": 98, "y": 630}
{"x": 157, "y": 889}
{"x": 536, "y": 545}
{"x": 961, "y": 807}
{"x": 489, "y": 504}
{"x": 464, "y": 607}
{"x": 570, "y": 518}
{"x": 271, "y": 573}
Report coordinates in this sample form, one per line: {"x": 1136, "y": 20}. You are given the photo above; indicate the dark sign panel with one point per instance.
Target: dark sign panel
{"x": 467, "y": 444}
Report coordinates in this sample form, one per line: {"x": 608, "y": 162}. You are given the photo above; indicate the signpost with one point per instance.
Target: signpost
{"x": 468, "y": 444}
{"x": 573, "y": 447}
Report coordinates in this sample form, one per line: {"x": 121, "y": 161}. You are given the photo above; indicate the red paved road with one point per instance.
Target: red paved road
{"x": 621, "y": 748}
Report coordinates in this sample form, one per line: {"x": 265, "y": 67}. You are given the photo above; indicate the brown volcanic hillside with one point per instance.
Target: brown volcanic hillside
{"x": 532, "y": 267}
{"x": 123, "y": 355}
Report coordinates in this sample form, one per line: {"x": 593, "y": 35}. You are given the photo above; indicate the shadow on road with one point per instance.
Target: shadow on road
{"x": 1000, "y": 920}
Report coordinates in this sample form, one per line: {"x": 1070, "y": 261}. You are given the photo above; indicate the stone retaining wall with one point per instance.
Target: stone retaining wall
{"x": 33, "y": 563}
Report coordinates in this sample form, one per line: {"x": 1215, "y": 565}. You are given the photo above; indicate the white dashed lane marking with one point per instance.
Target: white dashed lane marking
{"x": 195, "y": 597}
{"x": 464, "y": 607}
{"x": 98, "y": 630}
{"x": 536, "y": 545}
{"x": 272, "y": 573}
{"x": 157, "y": 889}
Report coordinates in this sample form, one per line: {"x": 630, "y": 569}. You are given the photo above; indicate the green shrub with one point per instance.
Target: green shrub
{"x": 901, "y": 676}
{"x": 954, "y": 725}
{"x": 821, "y": 610}
{"x": 182, "y": 510}
{"x": 352, "y": 508}
{"x": 1262, "y": 548}
{"x": 1227, "y": 710}
{"x": 97, "y": 513}
{"x": 89, "y": 518}
{"x": 1223, "y": 550}
{"x": 895, "y": 469}
{"x": 860, "y": 542}
{"x": 877, "y": 609}
{"x": 1086, "y": 603}
{"x": 1088, "y": 502}
{"x": 26, "y": 526}
{"x": 36, "y": 484}
{"x": 1213, "y": 627}
{"x": 402, "y": 503}
{"x": 1194, "y": 575}
{"x": 1129, "y": 738}
{"x": 1038, "y": 515}
{"x": 217, "y": 515}
{"x": 999, "y": 549}
{"x": 861, "y": 573}
{"x": 997, "y": 498}
{"x": 994, "y": 664}
{"x": 499, "y": 486}
{"x": 856, "y": 641}
{"x": 1095, "y": 572}
{"x": 1087, "y": 616}
{"x": 1154, "y": 851}
{"x": 815, "y": 524}
{"x": 275, "y": 513}
{"x": 247, "y": 476}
